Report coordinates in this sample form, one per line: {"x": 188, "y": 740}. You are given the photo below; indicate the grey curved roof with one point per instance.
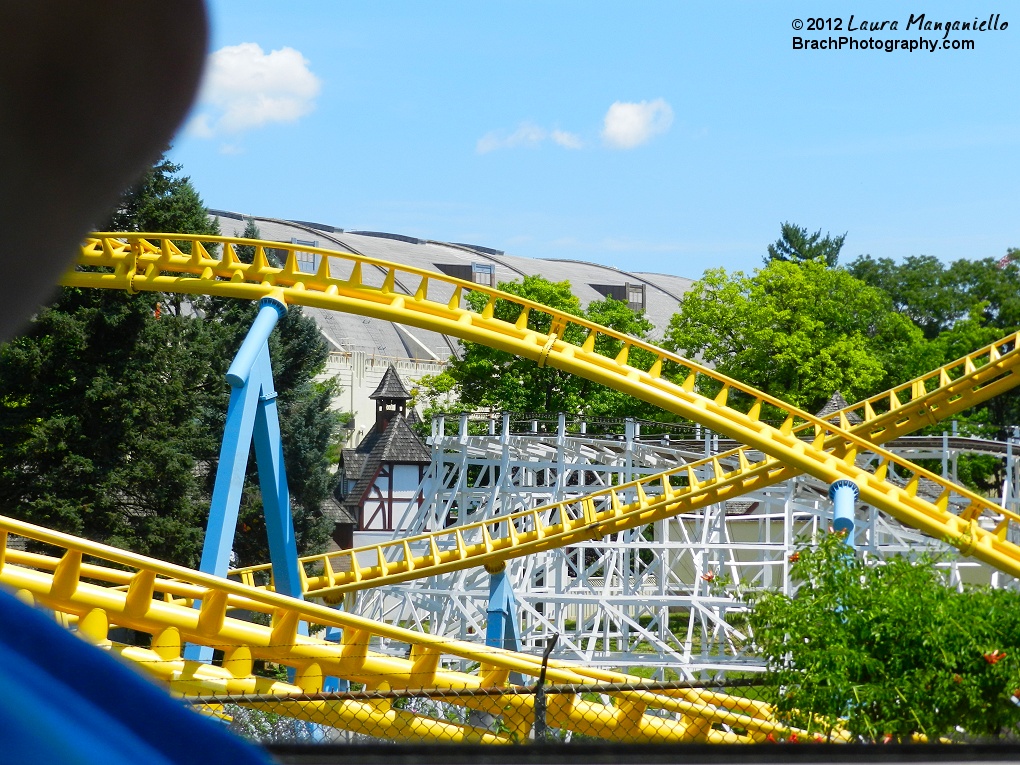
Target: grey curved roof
{"x": 354, "y": 333}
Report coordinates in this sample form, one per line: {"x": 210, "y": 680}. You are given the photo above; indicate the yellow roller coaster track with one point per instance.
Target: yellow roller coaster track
{"x": 802, "y": 443}
{"x": 112, "y": 587}
{"x": 928, "y": 399}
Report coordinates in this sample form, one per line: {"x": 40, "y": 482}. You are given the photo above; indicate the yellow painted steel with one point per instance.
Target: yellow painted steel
{"x": 133, "y": 591}
{"x": 92, "y": 596}
{"x": 937, "y": 395}
{"x": 370, "y": 287}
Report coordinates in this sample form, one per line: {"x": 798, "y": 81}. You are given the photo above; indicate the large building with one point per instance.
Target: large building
{"x": 363, "y": 349}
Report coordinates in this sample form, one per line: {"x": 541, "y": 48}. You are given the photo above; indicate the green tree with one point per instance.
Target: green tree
{"x": 936, "y": 296}
{"x": 795, "y": 245}
{"x": 888, "y": 649}
{"x": 162, "y": 201}
{"x": 101, "y": 423}
{"x": 111, "y": 410}
{"x": 991, "y": 282}
{"x": 487, "y": 377}
{"x": 798, "y": 332}
{"x": 960, "y": 307}
{"x": 920, "y": 288}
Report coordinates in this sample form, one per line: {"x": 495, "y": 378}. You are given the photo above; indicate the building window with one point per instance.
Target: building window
{"x": 483, "y": 273}
{"x": 307, "y": 262}
{"x": 636, "y": 296}
{"x": 479, "y": 273}
{"x": 631, "y": 294}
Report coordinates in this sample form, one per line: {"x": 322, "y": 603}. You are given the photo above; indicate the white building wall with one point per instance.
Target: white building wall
{"x": 360, "y": 373}
{"x": 405, "y": 484}
{"x": 401, "y": 490}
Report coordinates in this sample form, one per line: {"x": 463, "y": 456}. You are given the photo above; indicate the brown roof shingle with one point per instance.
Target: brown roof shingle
{"x": 390, "y": 387}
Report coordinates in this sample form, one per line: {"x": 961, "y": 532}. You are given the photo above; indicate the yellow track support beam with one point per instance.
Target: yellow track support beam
{"x": 672, "y": 492}
{"x": 94, "y": 597}
{"x": 366, "y": 286}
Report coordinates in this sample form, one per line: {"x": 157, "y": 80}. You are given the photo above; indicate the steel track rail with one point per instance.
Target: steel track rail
{"x": 182, "y": 263}
{"x": 91, "y": 596}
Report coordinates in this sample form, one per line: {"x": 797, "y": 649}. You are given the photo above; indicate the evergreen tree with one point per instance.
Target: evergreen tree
{"x": 795, "y": 245}
{"x": 162, "y": 201}
{"x": 101, "y": 423}
{"x": 111, "y": 411}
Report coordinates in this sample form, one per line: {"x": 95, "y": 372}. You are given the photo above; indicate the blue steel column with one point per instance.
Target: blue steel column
{"x": 252, "y": 414}
{"x": 226, "y": 496}
{"x": 270, "y": 312}
{"x": 237, "y": 436}
{"x": 501, "y": 627}
{"x": 844, "y": 494}
{"x": 273, "y": 483}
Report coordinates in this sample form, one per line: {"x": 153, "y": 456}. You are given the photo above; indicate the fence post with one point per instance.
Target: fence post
{"x": 540, "y": 726}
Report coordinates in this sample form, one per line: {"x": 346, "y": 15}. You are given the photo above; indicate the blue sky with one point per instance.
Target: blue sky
{"x": 653, "y": 136}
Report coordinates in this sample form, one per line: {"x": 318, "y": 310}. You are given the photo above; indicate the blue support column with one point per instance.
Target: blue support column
{"x": 252, "y": 415}
{"x": 270, "y": 312}
{"x": 226, "y": 497}
{"x": 273, "y": 483}
{"x": 502, "y": 629}
{"x": 844, "y": 494}
{"x": 332, "y": 684}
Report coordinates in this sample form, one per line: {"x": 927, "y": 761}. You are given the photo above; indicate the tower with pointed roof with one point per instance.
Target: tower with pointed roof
{"x": 380, "y": 475}
{"x": 836, "y": 404}
{"x": 390, "y": 398}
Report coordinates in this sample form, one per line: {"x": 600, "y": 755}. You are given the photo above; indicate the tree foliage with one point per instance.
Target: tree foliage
{"x": 936, "y": 296}
{"x": 799, "y": 332}
{"x": 888, "y": 649}
{"x": 489, "y": 378}
{"x": 960, "y": 307}
{"x": 112, "y": 405}
{"x": 796, "y": 245}
{"x": 102, "y": 423}
{"x": 162, "y": 201}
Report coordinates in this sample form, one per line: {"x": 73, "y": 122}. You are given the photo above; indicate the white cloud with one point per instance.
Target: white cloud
{"x": 565, "y": 139}
{"x": 244, "y": 87}
{"x": 627, "y": 125}
{"x": 526, "y": 134}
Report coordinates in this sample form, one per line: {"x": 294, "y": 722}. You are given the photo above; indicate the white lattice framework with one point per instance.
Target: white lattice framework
{"x": 672, "y": 596}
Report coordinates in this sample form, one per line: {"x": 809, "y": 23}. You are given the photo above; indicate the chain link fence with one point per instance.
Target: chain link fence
{"x": 507, "y": 715}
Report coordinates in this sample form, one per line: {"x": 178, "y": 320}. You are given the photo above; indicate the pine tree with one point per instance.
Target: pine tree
{"x": 162, "y": 201}
{"x": 246, "y": 252}
{"x": 101, "y": 422}
{"x": 112, "y": 411}
{"x": 795, "y": 245}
